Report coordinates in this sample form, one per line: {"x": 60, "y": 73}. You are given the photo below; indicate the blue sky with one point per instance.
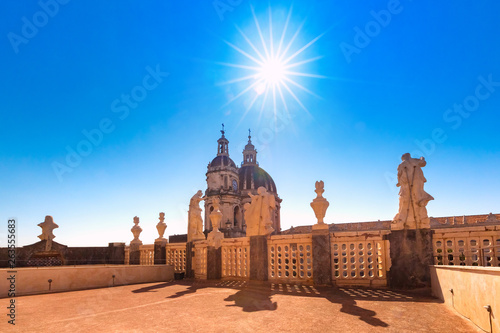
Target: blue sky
{"x": 409, "y": 76}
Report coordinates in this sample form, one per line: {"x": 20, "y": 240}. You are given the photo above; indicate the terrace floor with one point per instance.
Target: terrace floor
{"x": 232, "y": 306}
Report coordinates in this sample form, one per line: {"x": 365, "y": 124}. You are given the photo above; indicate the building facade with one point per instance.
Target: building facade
{"x": 231, "y": 184}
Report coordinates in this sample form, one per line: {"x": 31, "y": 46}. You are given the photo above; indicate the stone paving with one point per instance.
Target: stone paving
{"x": 232, "y": 306}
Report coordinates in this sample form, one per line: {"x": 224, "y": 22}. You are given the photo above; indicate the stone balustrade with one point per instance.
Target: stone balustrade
{"x": 360, "y": 258}
{"x": 467, "y": 246}
{"x": 147, "y": 254}
{"x": 290, "y": 258}
{"x": 176, "y": 256}
{"x": 235, "y": 254}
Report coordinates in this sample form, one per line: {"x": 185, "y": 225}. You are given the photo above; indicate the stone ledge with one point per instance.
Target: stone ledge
{"x": 489, "y": 270}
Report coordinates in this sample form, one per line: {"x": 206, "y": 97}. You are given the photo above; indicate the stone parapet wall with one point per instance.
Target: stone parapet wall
{"x": 31, "y": 280}
{"x": 464, "y": 220}
{"x": 436, "y": 223}
{"x": 35, "y": 255}
{"x": 468, "y": 290}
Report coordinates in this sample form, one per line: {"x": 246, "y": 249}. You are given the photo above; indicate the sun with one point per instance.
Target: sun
{"x": 272, "y": 70}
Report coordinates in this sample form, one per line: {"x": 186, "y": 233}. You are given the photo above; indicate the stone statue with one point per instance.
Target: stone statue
{"x": 161, "y": 226}
{"x": 412, "y": 197}
{"x": 258, "y": 213}
{"x": 47, "y": 227}
{"x": 136, "y": 231}
{"x": 319, "y": 206}
{"x": 195, "y": 221}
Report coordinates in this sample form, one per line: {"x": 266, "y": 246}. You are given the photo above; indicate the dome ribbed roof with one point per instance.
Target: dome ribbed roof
{"x": 259, "y": 176}
{"x": 222, "y": 160}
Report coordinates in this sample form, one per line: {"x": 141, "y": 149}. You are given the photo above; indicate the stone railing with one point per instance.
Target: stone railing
{"x": 290, "y": 258}
{"x": 176, "y": 256}
{"x": 360, "y": 258}
{"x": 147, "y": 254}
{"x": 467, "y": 246}
{"x": 200, "y": 258}
{"x": 235, "y": 253}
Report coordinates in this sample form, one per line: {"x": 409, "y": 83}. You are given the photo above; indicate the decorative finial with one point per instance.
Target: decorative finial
{"x": 215, "y": 237}
{"x": 249, "y": 134}
{"x": 161, "y": 226}
{"x": 222, "y": 131}
{"x": 47, "y": 227}
{"x": 136, "y": 231}
{"x": 319, "y": 206}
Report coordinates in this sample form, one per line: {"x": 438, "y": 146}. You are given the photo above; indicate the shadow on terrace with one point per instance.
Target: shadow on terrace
{"x": 257, "y": 296}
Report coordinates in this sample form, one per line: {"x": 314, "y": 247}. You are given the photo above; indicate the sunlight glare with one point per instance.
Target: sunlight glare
{"x": 272, "y": 71}
{"x": 270, "y": 66}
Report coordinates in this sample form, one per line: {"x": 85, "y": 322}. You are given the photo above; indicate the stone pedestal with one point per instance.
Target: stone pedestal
{"x": 258, "y": 258}
{"x": 189, "y": 259}
{"x": 214, "y": 263}
{"x": 411, "y": 255}
{"x": 160, "y": 252}
{"x": 135, "y": 254}
{"x": 322, "y": 262}
{"x": 116, "y": 254}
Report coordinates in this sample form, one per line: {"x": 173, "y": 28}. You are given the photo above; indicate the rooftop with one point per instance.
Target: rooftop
{"x": 234, "y": 306}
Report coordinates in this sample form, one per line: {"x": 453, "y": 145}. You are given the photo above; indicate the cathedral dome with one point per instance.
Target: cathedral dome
{"x": 256, "y": 176}
{"x": 222, "y": 161}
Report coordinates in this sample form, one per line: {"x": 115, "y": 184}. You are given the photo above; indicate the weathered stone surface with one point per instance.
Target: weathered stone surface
{"x": 322, "y": 264}
{"x": 411, "y": 255}
{"x": 214, "y": 263}
{"x": 258, "y": 258}
{"x": 134, "y": 254}
{"x": 160, "y": 252}
{"x": 116, "y": 253}
{"x": 35, "y": 255}
{"x": 189, "y": 260}
{"x": 177, "y": 238}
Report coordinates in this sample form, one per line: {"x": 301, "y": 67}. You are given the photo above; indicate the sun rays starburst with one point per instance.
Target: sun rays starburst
{"x": 273, "y": 67}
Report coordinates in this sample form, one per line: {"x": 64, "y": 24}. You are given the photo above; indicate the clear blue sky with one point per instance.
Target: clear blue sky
{"x": 386, "y": 91}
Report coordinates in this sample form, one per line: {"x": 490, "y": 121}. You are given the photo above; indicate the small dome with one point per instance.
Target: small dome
{"x": 222, "y": 161}
{"x": 259, "y": 176}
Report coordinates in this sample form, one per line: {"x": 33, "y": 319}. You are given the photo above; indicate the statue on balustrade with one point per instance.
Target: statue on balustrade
{"x": 195, "y": 221}
{"x": 258, "y": 213}
{"x": 412, "y": 197}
